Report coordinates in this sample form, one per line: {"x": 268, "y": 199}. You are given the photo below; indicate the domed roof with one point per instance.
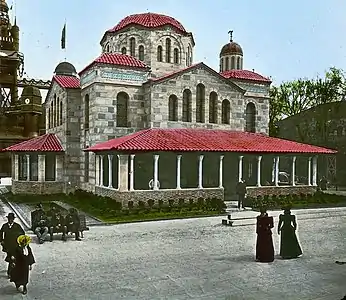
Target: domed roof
{"x": 3, "y": 5}
{"x": 231, "y": 48}
{"x": 65, "y": 68}
{"x": 148, "y": 20}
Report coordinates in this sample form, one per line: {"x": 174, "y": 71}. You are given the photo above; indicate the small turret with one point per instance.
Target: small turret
{"x": 15, "y": 35}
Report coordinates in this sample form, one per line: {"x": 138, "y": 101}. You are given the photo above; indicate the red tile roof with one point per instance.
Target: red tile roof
{"x": 67, "y": 82}
{"x": 148, "y": 20}
{"x": 44, "y": 143}
{"x": 245, "y": 75}
{"x": 205, "y": 140}
{"x": 118, "y": 60}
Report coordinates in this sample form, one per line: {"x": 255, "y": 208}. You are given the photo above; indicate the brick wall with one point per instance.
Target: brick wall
{"x": 37, "y": 188}
{"x": 281, "y": 190}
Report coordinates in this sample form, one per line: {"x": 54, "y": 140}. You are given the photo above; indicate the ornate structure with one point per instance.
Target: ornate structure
{"x": 19, "y": 117}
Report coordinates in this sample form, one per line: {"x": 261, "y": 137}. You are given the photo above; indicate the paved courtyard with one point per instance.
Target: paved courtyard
{"x": 188, "y": 259}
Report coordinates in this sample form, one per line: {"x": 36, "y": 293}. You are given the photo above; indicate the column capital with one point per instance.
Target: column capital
{"x": 179, "y": 156}
{"x": 200, "y": 157}
{"x": 222, "y": 157}
{"x": 259, "y": 157}
{"x": 241, "y": 156}
{"x": 110, "y": 156}
{"x": 132, "y": 156}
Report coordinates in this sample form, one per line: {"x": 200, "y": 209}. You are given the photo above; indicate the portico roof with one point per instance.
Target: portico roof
{"x": 205, "y": 140}
{"x": 44, "y": 143}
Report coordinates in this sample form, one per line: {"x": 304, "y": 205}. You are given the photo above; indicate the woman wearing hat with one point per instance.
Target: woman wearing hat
{"x": 22, "y": 261}
{"x": 9, "y": 233}
{"x": 264, "y": 244}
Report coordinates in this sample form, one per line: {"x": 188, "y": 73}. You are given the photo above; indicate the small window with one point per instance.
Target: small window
{"x": 225, "y": 112}
{"x": 238, "y": 63}
{"x": 232, "y": 63}
{"x": 123, "y": 50}
{"x": 159, "y": 53}
{"x": 176, "y": 56}
{"x": 173, "y": 108}
{"x": 107, "y": 48}
{"x": 141, "y": 53}
{"x": 227, "y": 64}
{"x": 132, "y": 46}
{"x": 86, "y": 112}
{"x": 168, "y": 50}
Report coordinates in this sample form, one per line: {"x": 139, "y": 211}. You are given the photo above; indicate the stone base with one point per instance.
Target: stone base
{"x": 165, "y": 195}
{"x": 37, "y": 188}
{"x": 253, "y": 192}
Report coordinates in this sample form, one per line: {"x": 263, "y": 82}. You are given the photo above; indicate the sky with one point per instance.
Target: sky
{"x": 285, "y": 40}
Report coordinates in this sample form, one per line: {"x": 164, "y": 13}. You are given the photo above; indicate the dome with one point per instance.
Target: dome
{"x": 3, "y": 6}
{"x": 148, "y": 20}
{"x": 65, "y": 68}
{"x": 231, "y": 48}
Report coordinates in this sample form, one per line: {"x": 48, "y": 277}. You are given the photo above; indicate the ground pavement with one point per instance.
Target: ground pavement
{"x": 188, "y": 259}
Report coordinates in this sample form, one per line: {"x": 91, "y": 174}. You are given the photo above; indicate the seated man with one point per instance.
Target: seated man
{"x": 57, "y": 223}
{"x": 41, "y": 228}
{"x": 73, "y": 222}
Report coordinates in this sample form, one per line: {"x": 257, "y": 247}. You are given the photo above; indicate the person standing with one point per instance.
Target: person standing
{"x": 289, "y": 245}
{"x": 264, "y": 244}
{"x": 9, "y": 233}
{"x": 22, "y": 260}
{"x": 241, "y": 192}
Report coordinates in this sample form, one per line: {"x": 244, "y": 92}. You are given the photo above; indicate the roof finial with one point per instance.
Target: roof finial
{"x": 231, "y": 35}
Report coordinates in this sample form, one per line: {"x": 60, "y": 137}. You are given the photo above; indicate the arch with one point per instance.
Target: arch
{"x": 232, "y": 63}
{"x": 176, "y": 56}
{"x": 54, "y": 111}
{"x": 173, "y": 108}
{"x": 49, "y": 112}
{"x": 213, "y": 107}
{"x": 123, "y": 50}
{"x": 221, "y": 65}
{"x": 250, "y": 114}
{"x": 187, "y": 103}
{"x": 86, "y": 111}
{"x": 225, "y": 112}
{"x": 141, "y": 52}
{"x": 168, "y": 50}
{"x": 132, "y": 46}
{"x": 238, "y": 63}
{"x": 200, "y": 103}
{"x": 122, "y": 107}
{"x": 159, "y": 53}
{"x": 107, "y": 48}
{"x": 227, "y": 64}
{"x": 60, "y": 113}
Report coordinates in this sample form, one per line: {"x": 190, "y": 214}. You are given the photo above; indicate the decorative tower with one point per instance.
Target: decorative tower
{"x": 231, "y": 56}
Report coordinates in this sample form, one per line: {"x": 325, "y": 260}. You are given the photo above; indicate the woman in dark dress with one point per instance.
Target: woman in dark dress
{"x": 264, "y": 245}
{"x": 289, "y": 246}
{"x": 22, "y": 260}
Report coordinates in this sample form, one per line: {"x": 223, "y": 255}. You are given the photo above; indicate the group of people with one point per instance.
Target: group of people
{"x": 19, "y": 255}
{"x": 52, "y": 221}
{"x": 289, "y": 245}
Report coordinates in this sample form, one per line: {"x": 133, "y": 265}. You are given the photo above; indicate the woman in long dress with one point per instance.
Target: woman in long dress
{"x": 264, "y": 245}
{"x": 289, "y": 246}
{"x": 22, "y": 261}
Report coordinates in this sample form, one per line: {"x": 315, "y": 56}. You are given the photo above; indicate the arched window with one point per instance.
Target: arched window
{"x": 159, "y": 53}
{"x": 227, "y": 64}
{"x": 232, "y": 63}
{"x": 221, "y": 65}
{"x": 188, "y": 56}
{"x": 238, "y": 63}
{"x": 107, "y": 48}
{"x": 57, "y": 112}
{"x": 51, "y": 114}
{"x": 173, "y": 108}
{"x": 225, "y": 112}
{"x": 176, "y": 55}
{"x": 187, "y": 99}
{"x": 123, "y": 50}
{"x": 168, "y": 50}
{"x": 54, "y": 111}
{"x": 60, "y": 113}
{"x": 122, "y": 104}
{"x": 141, "y": 52}
{"x": 213, "y": 108}
{"x": 250, "y": 117}
{"x": 132, "y": 46}
{"x": 200, "y": 103}
{"x": 49, "y": 124}
{"x": 86, "y": 111}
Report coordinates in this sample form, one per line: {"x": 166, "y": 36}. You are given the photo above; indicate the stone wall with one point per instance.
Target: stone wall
{"x": 37, "y": 188}
{"x": 164, "y": 195}
{"x": 281, "y": 190}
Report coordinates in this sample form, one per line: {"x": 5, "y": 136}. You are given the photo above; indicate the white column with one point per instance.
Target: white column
{"x": 28, "y": 167}
{"x": 16, "y": 167}
{"x": 240, "y": 168}
{"x": 273, "y": 170}
{"x": 314, "y": 171}
{"x": 309, "y": 171}
{"x": 97, "y": 169}
{"x": 156, "y": 171}
{"x": 132, "y": 171}
{"x": 293, "y": 170}
{"x": 200, "y": 172}
{"x": 259, "y": 159}
{"x": 101, "y": 170}
{"x": 178, "y": 171}
{"x": 277, "y": 170}
{"x": 110, "y": 171}
{"x": 221, "y": 172}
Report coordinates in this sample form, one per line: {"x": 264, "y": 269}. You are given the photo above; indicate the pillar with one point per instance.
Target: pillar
{"x": 156, "y": 171}
{"x": 132, "y": 172}
{"x": 27, "y": 167}
{"x": 277, "y": 170}
{"x": 41, "y": 167}
{"x": 200, "y": 172}
{"x": 59, "y": 167}
{"x": 293, "y": 175}
{"x": 16, "y": 167}
{"x": 97, "y": 169}
{"x": 221, "y": 172}
{"x": 314, "y": 171}
{"x": 259, "y": 159}
{"x": 309, "y": 171}
{"x": 178, "y": 171}
{"x": 123, "y": 173}
{"x": 110, "y": 171}
{"x": 240, "y": 168}
{"x": 101, "y": 170}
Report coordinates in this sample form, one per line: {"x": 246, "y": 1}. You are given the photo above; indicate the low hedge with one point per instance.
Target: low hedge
{"x": 318, "y": 199}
